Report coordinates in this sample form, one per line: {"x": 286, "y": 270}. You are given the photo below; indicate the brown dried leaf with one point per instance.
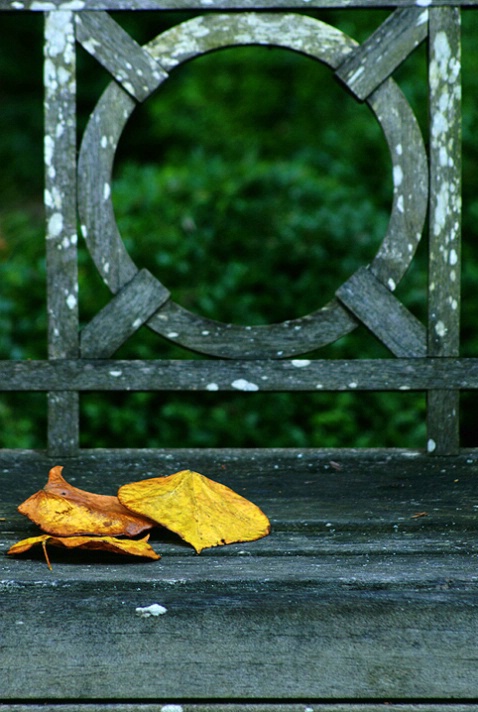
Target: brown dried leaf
{"x": 63, "y": 510}
{"x": 203, "y": 512}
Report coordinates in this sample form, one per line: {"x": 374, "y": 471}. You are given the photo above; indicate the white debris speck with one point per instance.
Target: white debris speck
{"x": 453, "y": 257}
{"x": 137, "y": 323}
{"x": 399, "y": 149}
{"x": 172, "y": 335}
{"x": 205, "y": 333}
{"x": 404, "y": 388}
{"x": 104, "y": 141}
{"x": 423, "y": 3}
{"x": 44, "y": 6}
{"x": 431, "y": 445}
{"x": 300, "y": 362}
{"x": 116, "y": 374}
{"x": 319, "y": 386}
{"x": 106, "y": 191}
{"x": 71, "y": 301}
{"x": 422, "y": 19}
{"x": 400, "y": 206}
{"x": 242, "y": 385}
{"x": 391, "y": 284}
{"x": 84, "y": 231}
{"x": 353, "y": 384}
{"x": 440, "y": 328}
{"x": 154, "y": 610}
{"x": 171, "y": 708}
{"x": 212, "y": 387}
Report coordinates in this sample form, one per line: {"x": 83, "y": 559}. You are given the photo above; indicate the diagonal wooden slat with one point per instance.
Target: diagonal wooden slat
{"x": 131, "y": 65}
{"x": 123, "y": 316}
{"x": 391, "y": 322}
{"x": 375, "y": 60}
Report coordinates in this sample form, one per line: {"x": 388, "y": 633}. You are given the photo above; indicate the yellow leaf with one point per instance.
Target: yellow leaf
{"x": 203, "y": 512}
{"x": 130, "y": 547}
{"x": 63, "y": 510}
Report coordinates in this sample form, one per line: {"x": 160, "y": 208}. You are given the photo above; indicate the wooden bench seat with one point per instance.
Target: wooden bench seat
{"x": 367, "y": 587}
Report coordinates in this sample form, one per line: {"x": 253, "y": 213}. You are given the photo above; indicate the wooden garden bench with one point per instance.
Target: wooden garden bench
{"x": 355, "y": 599}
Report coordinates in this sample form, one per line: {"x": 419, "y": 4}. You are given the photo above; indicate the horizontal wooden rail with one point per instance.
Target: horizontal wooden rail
{"x": 419, "y": 374}
{"x": 79, "y": 5}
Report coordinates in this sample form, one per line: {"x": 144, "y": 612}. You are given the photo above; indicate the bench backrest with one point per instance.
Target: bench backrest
{"x": 262, "y": 358}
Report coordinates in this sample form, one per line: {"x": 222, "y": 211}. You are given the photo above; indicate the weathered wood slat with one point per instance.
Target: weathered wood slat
{"x": 132, "y": 66}
{"x": 175, "y": 706}
{"x": 241, "y": 376}
{"x": 60, "y": 209}
{"x": 365, "y": 601}
{"x": 383, "y": 314}
{"x": 445, "y": 212}
{"x": 123, "y": 316}
{"x": 85, "y": 5}
{"x": 375, "y": 60}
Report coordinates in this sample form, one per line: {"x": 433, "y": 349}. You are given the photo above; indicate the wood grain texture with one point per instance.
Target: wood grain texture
{"x": 377, "y": 58}
{"x": 241, "y": 376}
{"x": 351, "y": 595}
{"x": 371, "y": 302}
{"x": 123, "y": 316}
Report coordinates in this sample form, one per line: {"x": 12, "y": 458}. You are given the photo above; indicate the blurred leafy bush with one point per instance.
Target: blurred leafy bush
{"x": 252, "y": 186}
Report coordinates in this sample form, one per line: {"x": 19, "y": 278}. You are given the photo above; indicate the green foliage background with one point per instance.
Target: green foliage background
{"x": 252, "y": 186}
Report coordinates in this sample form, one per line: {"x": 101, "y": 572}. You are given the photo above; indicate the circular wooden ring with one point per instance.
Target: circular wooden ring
{"x": 191, "y": 39}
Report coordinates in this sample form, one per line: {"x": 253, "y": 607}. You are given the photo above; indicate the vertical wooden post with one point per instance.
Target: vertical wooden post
{"x": 445, "y": 218}
{"x": 60, "y": 207}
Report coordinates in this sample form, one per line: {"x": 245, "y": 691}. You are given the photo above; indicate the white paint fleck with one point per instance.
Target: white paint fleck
{"x": 171, "y": 708}
{"x": 399, "y": 149}
{"x": 212, "y": 387}
{"x": 172, "y": 335}
{"x": 319, "y": 386}
{"x": 353, "y": 384}
{"x": 72, "y": 5}
{"x": 453, "y": 259}
{"x": 431, "y": 445}
{"x": 106, "y": 267}
{"x": 90, "y": 45}
{"x": 404, "y": 388}
{"x": 400, "y": 207}
{"x": 49, "y": 147}
{"x": 106, "y": 191}
{"x": 116, "y": 374}
{"x": 104, "y": 141}
{"x": 154, "y": 610}
{"x": 137, "y": 323}
{"x": 65, "y": 242}
{"x": 391, "y": 284}
{"x": 44, "y": 6}
{"x": 422, "y": 19}
{"x": 443, "y": 156}
{"x": 205, "y": 333}
{"x": 55, "y": 225}
{"x": 423, "y": 3}
{"x": 242, "y": 385}
{"x": 452, "y": 275}
{"x": 397, "y": 176}
{"x": 300, "y": 362}
{"x": 18, "y": 5}
{"x": 71, "y": 301}
{"x": 129, "y": 87}
{"x": 353, "y": 77}
{"x": 440, "y": 328}
{"x": 84, "y": 231}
